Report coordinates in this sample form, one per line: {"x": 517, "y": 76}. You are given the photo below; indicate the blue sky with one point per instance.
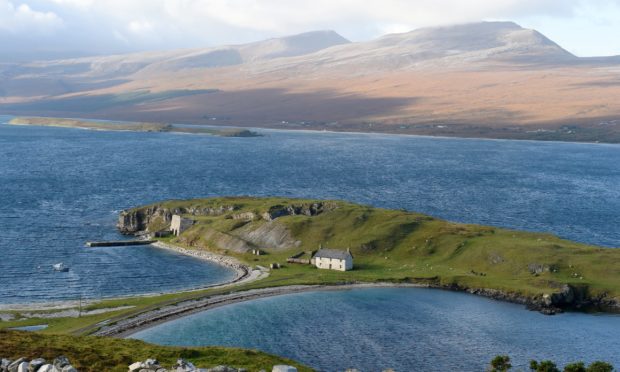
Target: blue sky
{"x": 59, "y": 28}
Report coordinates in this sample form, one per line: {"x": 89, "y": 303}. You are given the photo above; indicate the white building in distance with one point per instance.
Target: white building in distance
{"x": 333, "y": 259}
{"x": 180, "y": 224}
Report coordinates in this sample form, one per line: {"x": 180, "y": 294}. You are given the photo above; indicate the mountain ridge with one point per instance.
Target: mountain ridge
{"x": 488, "y": 79}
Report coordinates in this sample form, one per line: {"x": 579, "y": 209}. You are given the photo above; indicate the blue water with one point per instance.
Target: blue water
{"x": 61, "y": 187}
{"x": 407, "y": 329}
{"x": 32, "y": 328}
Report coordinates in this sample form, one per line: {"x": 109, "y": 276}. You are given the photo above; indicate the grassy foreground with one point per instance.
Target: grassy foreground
{"x": 111, "y": 354}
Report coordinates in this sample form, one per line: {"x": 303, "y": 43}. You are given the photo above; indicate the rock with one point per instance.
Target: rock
{"x": 149, "y": 363}
{"x": 47, "y": 368}
{"x": 537, "y": 269}
{"x": 23, "y": 367}
{"x": 283, "y": 368}
{"x": 35, "y": 364}
{"x": 61, "y": 362}
{"x": 68, "y": 368}
{"x": 222, "y": 369}
{"x": 183, "y": 366}
{"x": 135, "y": 366}
{"x": 4, "y": 364}
{"x": 15, "y": 365}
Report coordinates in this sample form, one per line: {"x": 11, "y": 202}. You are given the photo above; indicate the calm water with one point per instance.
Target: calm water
{"x": 408, "y": 329}
{"x": 61, "y": 187}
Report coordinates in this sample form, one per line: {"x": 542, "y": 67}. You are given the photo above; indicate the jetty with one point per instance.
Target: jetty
{"x": 119, "y": 243}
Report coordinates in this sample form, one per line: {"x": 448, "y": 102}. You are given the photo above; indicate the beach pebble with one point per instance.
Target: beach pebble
{"x": 283, "y": 368}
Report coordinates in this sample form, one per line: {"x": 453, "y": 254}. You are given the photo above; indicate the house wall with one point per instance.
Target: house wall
{"x": 333, "y": 264}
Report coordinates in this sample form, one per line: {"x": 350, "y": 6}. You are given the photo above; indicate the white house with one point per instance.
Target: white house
{"x": 180, "y": 224}
{"x": 333, "y": 259}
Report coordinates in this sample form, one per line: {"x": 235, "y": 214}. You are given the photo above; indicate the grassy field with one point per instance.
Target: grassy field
{"x": 98, "y": 354}
{"x": 392, "y": 245}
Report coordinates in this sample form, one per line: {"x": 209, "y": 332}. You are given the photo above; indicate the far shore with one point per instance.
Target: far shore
{"x": 127, "y": 126}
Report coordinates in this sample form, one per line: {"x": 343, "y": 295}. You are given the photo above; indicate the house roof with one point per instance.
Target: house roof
{"x": 333, "y": 253}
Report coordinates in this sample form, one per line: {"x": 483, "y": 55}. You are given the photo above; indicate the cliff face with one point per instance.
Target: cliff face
{"x": 157, "y": 217}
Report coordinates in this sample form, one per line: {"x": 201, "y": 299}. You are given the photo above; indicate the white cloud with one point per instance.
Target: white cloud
{"x": 19, "y": 18}
{"x": 140, "y": 27}
{"x": 125, "y": 25}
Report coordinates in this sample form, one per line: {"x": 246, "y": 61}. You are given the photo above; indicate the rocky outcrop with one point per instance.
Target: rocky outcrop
{"x": 226, "y": 241}
{"x": 135, "y": 221}
{"x": 60, "y": 364}
{"x": 152, "y": 365}
{"x": 271, "y": 235}
{"x": 306, "y": 209}
{"x": 155, "y": 217}
{"x": 568, "y": 297}
{"x": 244, "y": 216}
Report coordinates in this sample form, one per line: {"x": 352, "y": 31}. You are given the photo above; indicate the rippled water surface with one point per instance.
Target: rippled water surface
{"x": 407, "y": 329}
{"x": 61, "y": 187}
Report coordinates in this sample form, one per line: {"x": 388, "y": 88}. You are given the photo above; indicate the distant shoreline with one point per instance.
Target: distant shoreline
{"x": 122, "y": 126}
{"x": 226, "y": 127}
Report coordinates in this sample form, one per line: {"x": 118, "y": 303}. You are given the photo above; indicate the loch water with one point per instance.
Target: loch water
{"x": 406, "y": 329}
{"x": 61, "y": 187}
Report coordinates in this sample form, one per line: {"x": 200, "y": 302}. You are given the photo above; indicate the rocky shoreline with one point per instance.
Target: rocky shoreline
{"x": 569, "y": 298}
{"x": 241, "y": 271}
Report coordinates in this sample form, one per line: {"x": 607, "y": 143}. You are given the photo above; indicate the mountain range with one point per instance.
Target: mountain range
{"x": 488, "y": 79}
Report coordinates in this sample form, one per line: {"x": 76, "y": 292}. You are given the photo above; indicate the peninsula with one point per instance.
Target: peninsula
{"x": 130, "y": 126}
{"x": 540, "y": 270}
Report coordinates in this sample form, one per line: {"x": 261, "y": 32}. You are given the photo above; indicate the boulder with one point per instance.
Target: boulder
{"x": 222, "y": 369}
{"x": 183, "y": 366}
{"x": 15, "y": 365}
{"x": 149, "y": 365}
{"x": 61, "y": 362}
{"x": 35, "y": 364}
{"x": 283, "y": 368}
{"x": 47, "y": 368}
{"x": 135, "y": 366}
{"x": 4, "y": 364}
{"x": 68, "y": 368}
{"x": 23, "y": 367}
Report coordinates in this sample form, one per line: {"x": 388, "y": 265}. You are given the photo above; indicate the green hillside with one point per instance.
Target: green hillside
{"x": 395, "y": 245}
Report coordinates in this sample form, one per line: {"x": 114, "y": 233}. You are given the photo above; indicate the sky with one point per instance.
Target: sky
{"x": 43, "y": 29}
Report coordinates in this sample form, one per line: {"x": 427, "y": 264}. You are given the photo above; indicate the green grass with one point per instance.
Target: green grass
{"x": 390, "y": 245}
{"x": 89, "y": 353}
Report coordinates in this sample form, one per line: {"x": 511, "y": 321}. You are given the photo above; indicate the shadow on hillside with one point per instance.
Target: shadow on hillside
{"x": 238, "y": 107}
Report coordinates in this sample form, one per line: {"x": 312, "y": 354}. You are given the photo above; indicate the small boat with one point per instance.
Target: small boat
{"x": 60, "y": 267}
